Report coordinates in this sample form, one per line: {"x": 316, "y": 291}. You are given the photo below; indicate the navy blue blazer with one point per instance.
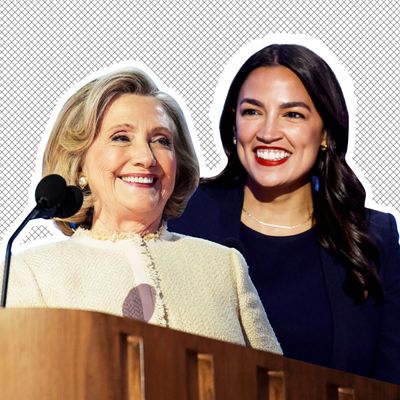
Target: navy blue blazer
{"x": 366, "y": 337}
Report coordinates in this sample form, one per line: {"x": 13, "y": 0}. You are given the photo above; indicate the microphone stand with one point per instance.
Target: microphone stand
{"x": 53, "y": 198}
{"x": 35, "y": 213}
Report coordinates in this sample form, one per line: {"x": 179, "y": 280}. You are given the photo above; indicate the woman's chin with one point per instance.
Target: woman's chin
{"x": 266, "y": 184}
{"x": 142, "y": 210}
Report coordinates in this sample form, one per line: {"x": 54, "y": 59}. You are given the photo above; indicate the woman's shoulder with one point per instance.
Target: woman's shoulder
{"x": 49, "y": 251}
{"x": 198, "y": 246}
{"x": 381, "y": 223}
{"x": 40, "y": 255}
{"x": 40, "y": 248}
{"x": 383, "y": 230}
{"x": 376, "y": 215}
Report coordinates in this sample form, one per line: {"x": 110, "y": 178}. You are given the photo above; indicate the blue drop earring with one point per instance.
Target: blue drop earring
{"x": 315, "y": 183}
{"x": 315, "y": 178}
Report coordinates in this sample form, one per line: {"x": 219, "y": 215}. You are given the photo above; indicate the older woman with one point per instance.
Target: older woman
{"x": 327, "y": 269}
{"x": 126, "y": 144}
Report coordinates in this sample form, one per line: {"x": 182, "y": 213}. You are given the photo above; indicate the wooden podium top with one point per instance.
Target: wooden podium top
{"x": 71, "y": 354}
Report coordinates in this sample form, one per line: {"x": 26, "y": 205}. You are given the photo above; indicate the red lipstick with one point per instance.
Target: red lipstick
{"x": 271, "y": 163}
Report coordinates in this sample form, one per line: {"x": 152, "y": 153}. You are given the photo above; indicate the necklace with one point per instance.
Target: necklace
{"x": 273, "y": 225}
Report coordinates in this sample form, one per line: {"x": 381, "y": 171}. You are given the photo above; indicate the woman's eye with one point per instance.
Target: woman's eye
{"x": 120, "y": 137}
{"x": 294, "y": 114}
{"x": 162, "y": 140}
{"x": 249, "y": 111}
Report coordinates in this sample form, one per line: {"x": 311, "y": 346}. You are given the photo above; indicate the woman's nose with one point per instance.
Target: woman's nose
{"x": 142, "y": 155}
{"x": 270, "y": 130}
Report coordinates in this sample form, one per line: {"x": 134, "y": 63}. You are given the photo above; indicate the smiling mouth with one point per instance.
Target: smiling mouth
{"x": 272, "y": 155}
{"x": 142, "y": 180}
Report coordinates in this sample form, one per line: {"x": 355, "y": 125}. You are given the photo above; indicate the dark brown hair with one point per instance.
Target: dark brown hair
{"x": 339, "y": 204}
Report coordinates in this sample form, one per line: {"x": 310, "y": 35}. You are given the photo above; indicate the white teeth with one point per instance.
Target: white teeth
{"x": 272, "y": 155}
{"x": 137, "y": 179}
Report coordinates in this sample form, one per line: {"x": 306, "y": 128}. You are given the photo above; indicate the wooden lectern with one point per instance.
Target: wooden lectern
{"x": 75, "y": 355}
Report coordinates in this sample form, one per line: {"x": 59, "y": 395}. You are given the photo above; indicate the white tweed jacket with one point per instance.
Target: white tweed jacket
{"x": 168, "y": 279}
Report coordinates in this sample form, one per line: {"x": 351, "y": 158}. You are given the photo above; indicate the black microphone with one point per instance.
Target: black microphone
{"x": 53, "y": 199}
{"x": 71, "y": 203}
{"x": 50, "y": 191}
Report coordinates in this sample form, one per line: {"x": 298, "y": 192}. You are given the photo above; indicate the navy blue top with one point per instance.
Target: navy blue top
{"x": 292, "y": 287}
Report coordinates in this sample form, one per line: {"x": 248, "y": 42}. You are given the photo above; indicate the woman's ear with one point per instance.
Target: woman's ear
{"x": 324, "y": 141}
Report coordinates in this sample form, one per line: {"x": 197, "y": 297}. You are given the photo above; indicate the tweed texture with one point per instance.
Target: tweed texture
{"x": 204, "y": 288}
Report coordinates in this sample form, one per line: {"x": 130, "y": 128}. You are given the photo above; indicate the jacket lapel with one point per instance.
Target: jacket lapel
{"x": 334, "y": 275}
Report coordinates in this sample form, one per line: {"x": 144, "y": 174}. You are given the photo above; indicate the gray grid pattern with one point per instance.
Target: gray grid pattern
{"x": 49, "y": 46}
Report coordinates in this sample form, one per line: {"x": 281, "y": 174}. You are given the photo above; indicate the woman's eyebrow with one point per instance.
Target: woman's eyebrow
{"x": 251, "y": 101}
{"x": 121, "y": 126}
{"x": 291, "y": 104}
{"x": 282, "y": 106}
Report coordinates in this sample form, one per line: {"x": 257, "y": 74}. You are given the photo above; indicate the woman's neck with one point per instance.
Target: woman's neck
{"x": 277, "y": 212}
{"x": 142, "y": 228}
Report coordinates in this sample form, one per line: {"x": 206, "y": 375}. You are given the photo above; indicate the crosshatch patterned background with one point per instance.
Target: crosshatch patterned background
{"x": 49, "y": 46}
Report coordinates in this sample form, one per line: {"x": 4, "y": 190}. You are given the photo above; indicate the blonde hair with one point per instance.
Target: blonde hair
{"x": 78, "y": 123}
